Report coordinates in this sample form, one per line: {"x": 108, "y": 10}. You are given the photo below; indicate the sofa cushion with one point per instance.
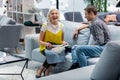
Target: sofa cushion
{"x": 64, "y": 65}
{"x": 114, "y": 32}
{"x": 110, "y": 18}
{"x": 108, "y": 67}
{"x": 37, "y": 56}
{"x": 69, "y": 28}
{"x": 92, "y": 61}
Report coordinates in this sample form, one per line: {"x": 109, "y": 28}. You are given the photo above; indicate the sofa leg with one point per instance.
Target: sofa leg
{"x": 16, "y": 50}
{"x": 22, "y": 41}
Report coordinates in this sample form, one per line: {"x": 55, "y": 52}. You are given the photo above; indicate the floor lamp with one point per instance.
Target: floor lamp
{"x": 57, "y": 4}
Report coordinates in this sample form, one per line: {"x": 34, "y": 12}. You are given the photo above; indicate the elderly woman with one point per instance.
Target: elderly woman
{"x": 51, "y": 34}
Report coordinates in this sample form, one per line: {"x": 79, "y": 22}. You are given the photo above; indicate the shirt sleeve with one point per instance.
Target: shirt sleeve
{"x": 43, "y": 28}
{"x": 98, "y": 33}
{"x": 61, "y": 24}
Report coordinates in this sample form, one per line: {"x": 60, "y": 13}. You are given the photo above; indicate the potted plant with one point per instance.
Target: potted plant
{"x": 101, "y": 5}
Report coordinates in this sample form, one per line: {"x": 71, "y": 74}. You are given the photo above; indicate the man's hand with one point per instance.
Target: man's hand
{"x": 75, "y": 34}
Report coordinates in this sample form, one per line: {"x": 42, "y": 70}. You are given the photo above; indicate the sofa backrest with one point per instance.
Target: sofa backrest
{"x": 69, "y": 28}
{"x": 73, "y": 16}
{"x": 114, "y": 30}
{"x": 9, "y": 36}
{"x": 113, "y": 33}
{"x": 102, "y": 15}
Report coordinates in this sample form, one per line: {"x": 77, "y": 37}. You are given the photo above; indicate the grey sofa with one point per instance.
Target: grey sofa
{"x": 73, "y": 16}
{"x": 84, "y": 38}
{"x": 107, "y": 68}
{"x": 9, "y": 33}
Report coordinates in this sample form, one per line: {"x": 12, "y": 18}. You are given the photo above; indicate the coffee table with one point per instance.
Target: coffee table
{"x": 12, "y": 59}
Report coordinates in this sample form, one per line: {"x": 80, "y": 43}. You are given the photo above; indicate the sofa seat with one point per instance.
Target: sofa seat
{"x": 37, "y": 56}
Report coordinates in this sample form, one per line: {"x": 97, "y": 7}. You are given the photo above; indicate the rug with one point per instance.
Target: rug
{"x": 27, "y": 73}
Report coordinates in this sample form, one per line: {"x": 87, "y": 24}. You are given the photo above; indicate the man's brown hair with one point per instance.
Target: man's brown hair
{"x": 91, "y": 8}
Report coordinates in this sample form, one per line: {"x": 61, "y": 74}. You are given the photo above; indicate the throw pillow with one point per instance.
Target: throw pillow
{"x": 111, "y": 17}
{"x": 108, "y": 67}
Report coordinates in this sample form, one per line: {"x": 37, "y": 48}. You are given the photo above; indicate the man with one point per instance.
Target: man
{"x": 101, "y": 36}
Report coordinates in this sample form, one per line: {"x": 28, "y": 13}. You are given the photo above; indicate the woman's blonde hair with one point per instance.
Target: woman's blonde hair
{"x": 50, "y": 10}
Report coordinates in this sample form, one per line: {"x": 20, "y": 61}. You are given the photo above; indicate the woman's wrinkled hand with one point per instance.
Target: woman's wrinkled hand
{"x": 49, "y": 45}
{"x": 65, "y": 43}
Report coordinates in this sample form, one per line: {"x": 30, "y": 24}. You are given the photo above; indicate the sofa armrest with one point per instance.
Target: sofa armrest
{"x": 108, "y": 67}
{"x": 31, "y": 42}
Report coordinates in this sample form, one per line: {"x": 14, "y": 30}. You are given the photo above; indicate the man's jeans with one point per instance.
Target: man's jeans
{"x": 74, "y": 56}
{"x": 81, "y": 52}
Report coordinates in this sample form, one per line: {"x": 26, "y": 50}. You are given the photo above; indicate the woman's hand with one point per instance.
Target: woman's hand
{"x": 49, "y": 45}
{"x": 65, "y": 43}
{"x": 75, "y": 34}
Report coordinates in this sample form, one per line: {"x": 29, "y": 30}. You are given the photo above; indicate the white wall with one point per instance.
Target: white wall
{"x": 1, "y": 11}
{"x": 112, "y": 5}
{"x": 42, "y": 4}
{"x": 3, "y": 8}
{"x": 66, "y": 5}
{"x": 78, "y": 5}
